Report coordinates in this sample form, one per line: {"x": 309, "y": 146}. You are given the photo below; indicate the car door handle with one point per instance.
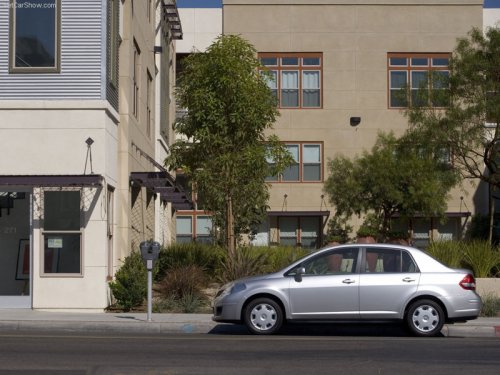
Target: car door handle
{"x": 348, "y": 281}
{"x": 408, "y": 280}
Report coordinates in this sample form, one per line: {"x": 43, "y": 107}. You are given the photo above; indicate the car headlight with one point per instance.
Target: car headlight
{"x": 230, "y": 289}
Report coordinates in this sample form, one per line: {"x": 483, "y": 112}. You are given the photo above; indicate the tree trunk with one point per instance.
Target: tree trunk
{"x": 230, "y": 228}
{"x": 491, "y": 214}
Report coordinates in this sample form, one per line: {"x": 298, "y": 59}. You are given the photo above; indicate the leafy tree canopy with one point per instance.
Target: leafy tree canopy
{"x": 468, "y": 125}
{"x": 224, "y": 150}
{"x": 397, "y": 176}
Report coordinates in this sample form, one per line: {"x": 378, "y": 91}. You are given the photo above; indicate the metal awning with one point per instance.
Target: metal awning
{"x": 298, "y": 213}
{"x": 163, "y": 183}
{"x": 446, "y": 214}
{"x": 81, "y": 180}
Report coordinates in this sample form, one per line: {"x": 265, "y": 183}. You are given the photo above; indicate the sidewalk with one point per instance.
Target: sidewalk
{"x": 32, "y": 320}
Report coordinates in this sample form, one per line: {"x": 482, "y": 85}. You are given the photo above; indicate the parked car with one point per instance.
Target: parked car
{"x": 353, "y": 282}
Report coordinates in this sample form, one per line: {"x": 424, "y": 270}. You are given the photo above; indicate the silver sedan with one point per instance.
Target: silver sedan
{"x": 353, "y": 282}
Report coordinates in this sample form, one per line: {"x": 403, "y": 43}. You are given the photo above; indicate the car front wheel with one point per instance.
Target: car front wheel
{"x": 425, "y": 318}
{"x": 263, "y": 316}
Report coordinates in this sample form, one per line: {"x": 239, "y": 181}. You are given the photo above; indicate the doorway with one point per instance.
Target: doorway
{"x": 15, "y": 249}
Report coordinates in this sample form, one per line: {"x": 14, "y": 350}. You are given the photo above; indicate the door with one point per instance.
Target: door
{"x": 388, "y": 280}
{"x": 329, "y": 287}
{"x": 15, "y": 249}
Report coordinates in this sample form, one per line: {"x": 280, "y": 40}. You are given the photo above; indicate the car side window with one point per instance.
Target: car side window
{"x": 383, "y": 261}
{"x": 409, "y": 264}
{"x": 341, "y": 261}
{"x": 389, "y": 261}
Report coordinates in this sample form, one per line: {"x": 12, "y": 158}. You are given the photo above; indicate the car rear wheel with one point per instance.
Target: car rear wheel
{"x": 425, "y": 318}
{"x": 263, "y": 316}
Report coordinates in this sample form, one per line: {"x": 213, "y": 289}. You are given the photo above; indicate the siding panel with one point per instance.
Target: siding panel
{"x": 81, "y": 43}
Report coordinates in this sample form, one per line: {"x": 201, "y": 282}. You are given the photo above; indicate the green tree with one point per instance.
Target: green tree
{"x": 224, "y": 150}
{"x": 469, "y": 123}
{"x": 397, "y": 176}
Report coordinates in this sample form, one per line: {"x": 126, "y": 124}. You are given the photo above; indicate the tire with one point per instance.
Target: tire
{"x": 263, "y": 316}
{"x": 425, "y": 318}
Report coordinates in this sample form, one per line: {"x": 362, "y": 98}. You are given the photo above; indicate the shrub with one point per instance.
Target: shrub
{"x": 190, "y": 303}
{"x": 450, "y": 253}
{"x": 479, "y": 227}
{"x": 491, "y": 305}
{"x": 207, "y": 257}
{"x": 245, "y": 262}
{"x": 370, "y": 227}
{"x": 164, "y": 304}
{"x": 281, "y": 256}
{"x": 130, "y": 285}
{"x": 480, "y": 256}
{"x": 338, "y": 230}
{"x": 182, "y": 280}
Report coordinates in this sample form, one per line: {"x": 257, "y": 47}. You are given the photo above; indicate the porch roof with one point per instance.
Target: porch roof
{"x": 87, "y": 180}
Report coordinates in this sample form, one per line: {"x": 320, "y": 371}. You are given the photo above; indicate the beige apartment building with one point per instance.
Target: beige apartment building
{"x": 338, "y": 65}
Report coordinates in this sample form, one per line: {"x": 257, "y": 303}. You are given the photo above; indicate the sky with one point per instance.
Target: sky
{"x": 201, "y": 3}
{"x": 492, "y": 3}
{"x": 218, "y": 3}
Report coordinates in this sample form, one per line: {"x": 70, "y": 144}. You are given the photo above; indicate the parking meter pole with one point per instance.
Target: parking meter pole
{"x": 150, "y": 293}
{"x": 149, "y": 253}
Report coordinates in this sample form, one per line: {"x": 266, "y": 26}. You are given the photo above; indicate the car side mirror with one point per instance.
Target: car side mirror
{"x": 298, "y": 274}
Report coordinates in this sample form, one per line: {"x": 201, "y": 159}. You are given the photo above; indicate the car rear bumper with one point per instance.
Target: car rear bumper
{"x": 468, "y": 309}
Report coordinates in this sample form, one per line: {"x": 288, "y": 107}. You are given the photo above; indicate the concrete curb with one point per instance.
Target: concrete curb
{"x": 136, "y": 323}
{"x": 470, "y": 331}
{"x": 135, "y": 328}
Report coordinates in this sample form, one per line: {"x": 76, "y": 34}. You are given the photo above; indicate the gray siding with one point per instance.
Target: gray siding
{"x": 81, "y": 59}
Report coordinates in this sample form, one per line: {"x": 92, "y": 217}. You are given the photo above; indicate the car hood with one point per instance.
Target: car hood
{"x": 250, "y": 279}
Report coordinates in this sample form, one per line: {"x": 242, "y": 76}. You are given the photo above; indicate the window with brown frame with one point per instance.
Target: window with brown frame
{"x": 308, "y": 166}
{"x": 301, "y": 231}
{"x": 295, "y": 78}
{"x": 194, "y": 226}
{"x": 425, "y": 75}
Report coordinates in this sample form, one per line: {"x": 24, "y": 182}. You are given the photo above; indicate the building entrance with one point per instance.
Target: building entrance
{"x": 15, "y": 249}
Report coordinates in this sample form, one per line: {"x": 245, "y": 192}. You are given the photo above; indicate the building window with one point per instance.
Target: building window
{"x": 62, "y": 234}
{"x": 149, "y": 99}
{"x": 299, "y": 231}
{"x": 425, "y": 75}
{"x": 203, "y": 229}
{"x": 35, "y": 36}
{"x": 194, "y": 226}
{"x": 135, "y": 81}
{"x": 295, "y": 79}
{"x": 308, "y": 164}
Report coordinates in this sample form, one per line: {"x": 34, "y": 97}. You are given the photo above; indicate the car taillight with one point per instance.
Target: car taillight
{"x": 468, "y": 282}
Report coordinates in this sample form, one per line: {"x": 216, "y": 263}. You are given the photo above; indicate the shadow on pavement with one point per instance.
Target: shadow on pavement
{"x": 327, "y": 329}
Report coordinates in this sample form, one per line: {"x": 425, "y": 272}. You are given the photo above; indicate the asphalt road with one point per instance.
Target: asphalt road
{"x": 233, "y": 353}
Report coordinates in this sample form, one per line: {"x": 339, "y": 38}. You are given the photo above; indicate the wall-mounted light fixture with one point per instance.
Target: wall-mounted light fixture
{"x": 89, "y": 141}
{"x": 355, "y": 121}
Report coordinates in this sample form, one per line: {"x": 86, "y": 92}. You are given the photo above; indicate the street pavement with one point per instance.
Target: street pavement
{"x": 137, "y": 323}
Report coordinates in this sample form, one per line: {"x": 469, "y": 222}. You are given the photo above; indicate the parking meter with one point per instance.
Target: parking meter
{"x": 150, "y": 252}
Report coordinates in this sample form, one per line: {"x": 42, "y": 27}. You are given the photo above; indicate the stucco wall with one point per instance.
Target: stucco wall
{"x": 354, "y": 38}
